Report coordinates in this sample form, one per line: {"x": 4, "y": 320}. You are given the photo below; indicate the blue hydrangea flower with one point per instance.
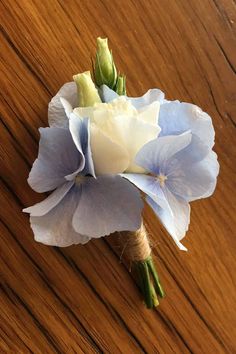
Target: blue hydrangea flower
{"x": 174, "y": 117}
{"x": 181, "y": 162}
{"x": 182, "y": 169}
{"x": 82, "y": 206}
{"x": 179, "y": 167}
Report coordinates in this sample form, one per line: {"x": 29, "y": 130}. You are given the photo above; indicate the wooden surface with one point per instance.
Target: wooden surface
{"x": 82, "y": 299}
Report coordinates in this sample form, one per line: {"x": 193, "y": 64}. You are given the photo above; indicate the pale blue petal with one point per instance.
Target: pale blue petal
{"x": 211, "y": 164}
{"x": 176, "y": 117}
{"x": 80, "y": 131}
{"x": 50, "y": 202}
{"x": 67, "y": 107}
{"x": 149, "y": 97}
{"x": 176, "y": 222}
{"x": 189, "y": 175}
{"x": 56, "y": 109}
{"x": 154, "y": 156}
{"x": 57, "y": 157}
{"x": 191, "y": 183}
{"x": 107, "y": 94}
{"x": 150, "y": 186}
{"x": 196, "y": 151}
{"x": 55, "y": 228}
{"x": 89, "y": 166}
{"x": 107, "y": 204}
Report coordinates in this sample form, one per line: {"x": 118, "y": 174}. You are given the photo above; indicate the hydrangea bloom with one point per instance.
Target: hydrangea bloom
{"x": 179, "y": 168}
{"x": 82, "y": 205}
{"x": 181, "y": 160}
{"x": 94, "y": 157}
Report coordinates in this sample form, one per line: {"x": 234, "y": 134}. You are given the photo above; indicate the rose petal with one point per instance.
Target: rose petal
{"x": 150, "y": 113}
{"x": 108, "y": 156}
{"x": 133, "y": 134}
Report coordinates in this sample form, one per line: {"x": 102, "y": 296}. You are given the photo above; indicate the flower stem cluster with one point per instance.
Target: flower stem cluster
{"x": 149, "y": 282}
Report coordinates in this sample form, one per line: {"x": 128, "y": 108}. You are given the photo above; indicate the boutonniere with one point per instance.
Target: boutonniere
{"x": 103, "y": 151}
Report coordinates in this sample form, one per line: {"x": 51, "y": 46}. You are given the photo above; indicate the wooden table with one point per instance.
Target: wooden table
{"x": 81, "y": 299}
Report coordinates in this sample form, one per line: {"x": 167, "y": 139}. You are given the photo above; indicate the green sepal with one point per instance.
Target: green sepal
{"x": 105, "y": 72}
{"x": 121, "y": 85}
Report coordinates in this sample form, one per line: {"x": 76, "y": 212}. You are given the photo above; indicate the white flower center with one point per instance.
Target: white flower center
{"x": 79, "y": 179}
{"x": 161, "y": 179}
{"x": 118, "y": 131}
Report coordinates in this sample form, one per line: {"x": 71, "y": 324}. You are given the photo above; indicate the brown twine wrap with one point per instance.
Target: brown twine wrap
{"x": 136, "y": 245}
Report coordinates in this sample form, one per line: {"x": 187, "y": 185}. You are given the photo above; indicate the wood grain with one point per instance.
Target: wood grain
{"x": 81, "y": 299}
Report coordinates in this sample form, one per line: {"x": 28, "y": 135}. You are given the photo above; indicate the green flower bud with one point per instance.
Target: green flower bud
{"x": 87, "y": 92}
{"x": 105, "y": 70}
{"x": 121, "y": 85}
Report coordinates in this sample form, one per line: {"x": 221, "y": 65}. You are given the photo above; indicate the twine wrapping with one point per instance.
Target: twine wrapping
{"x": 136, "y": 249}
{"x": 136, "y": 245}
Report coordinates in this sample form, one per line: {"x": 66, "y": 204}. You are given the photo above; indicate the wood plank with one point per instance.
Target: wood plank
{"x": 81, "y": 299}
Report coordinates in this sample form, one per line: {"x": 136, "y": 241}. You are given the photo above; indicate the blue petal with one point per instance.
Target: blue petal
{"x": 55, "y": 228}
{"x": 56, "y": 110}
{"x": 107, "y": 94}
{"x": 196, "y": 151}
{"x": 154, "y": 156}
{"x": 193, "y": 171}
{"x": 107, "y": 204}
{"x": 57, "y": 157}
{"x": 176, "y": 117}
{"x": 89, "y": 166}
{"x": 207, "y": 170}
{"x": 176, "y": 222}
{"x": 150, "y": 186}
{"x": 80, "y": 131}
{"x": 173, "y": 212}
{"x": 50, "y": 202}
{"x": 149, "y": 97}
{"x": 213, "y": 166}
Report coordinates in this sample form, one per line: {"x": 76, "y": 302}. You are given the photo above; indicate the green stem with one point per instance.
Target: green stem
{"x": 156, "y": 279}
{"x": 149, "y": 282}
{"x": 147, "y": 287}
{"x": 154, "y": 296}
{"x": 144, "y": 282}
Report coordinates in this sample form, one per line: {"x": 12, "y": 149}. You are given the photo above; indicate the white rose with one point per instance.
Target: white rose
{"x": 117, "y": 132}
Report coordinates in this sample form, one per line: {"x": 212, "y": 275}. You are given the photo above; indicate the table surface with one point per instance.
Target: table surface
{"x": 81, "y": 299}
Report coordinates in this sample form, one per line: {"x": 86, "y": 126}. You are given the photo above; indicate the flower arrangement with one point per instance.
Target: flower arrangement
{"x": 104, "y": 152}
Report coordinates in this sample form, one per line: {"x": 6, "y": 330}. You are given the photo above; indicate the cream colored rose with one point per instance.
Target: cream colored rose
{"x": 118, "y": 131}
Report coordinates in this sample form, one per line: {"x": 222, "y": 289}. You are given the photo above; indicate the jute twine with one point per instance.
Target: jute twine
{"x": 136, "y": 245}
